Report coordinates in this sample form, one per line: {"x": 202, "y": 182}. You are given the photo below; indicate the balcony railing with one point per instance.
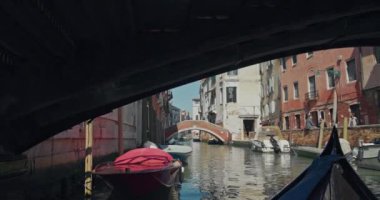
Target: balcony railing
{"x": 312, "y": 95}
{"x": 249, "y": 111}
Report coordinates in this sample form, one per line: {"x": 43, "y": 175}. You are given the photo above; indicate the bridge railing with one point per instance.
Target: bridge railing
{"x": 222, "y": 132}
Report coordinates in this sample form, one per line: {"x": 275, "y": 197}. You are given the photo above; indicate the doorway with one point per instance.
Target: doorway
{"x": 249, "y": 126}
{"x": 355, "y": 109}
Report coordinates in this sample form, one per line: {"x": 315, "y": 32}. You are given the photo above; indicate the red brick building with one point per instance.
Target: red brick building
{"x": 308, "y": 81}
{"x": 371, "y": 82}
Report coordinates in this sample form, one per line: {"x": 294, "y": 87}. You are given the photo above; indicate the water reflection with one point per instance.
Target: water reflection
{"x": 224, "y": 172}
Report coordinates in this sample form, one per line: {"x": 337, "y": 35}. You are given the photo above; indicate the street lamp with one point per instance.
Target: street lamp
{"x": 336, "y": 75}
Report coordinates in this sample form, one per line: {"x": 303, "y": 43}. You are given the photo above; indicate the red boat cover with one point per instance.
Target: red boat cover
{"x": 143, "y": 159}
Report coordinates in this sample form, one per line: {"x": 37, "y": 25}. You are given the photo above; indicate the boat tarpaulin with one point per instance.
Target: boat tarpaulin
{"x": 143, "y": 158}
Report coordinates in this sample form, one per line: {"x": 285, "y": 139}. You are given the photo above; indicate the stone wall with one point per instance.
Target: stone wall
{"x": 310, "y": 137}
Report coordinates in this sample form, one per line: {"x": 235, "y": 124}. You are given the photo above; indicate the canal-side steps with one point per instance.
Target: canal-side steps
{"x": 313, "y": 152}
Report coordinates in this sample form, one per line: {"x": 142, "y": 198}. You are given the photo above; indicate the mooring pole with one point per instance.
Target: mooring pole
{"x": 345, "y": 131}
{"x": 320, "y": 140}
{"x": 120, "y": 130}
{"x": 335, "y": 107}
{"x": 88, "y": 161}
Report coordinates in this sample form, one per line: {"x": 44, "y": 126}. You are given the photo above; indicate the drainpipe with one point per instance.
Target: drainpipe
{"x": 120, "y": 130}
{"x": 148, "y": 122}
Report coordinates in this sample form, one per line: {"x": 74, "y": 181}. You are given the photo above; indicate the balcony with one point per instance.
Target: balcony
{"x": 312, "y": 95}
{"x": 249, "y": 111}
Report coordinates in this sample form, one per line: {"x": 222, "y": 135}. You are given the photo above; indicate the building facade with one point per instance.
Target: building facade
{"x": 232, "y": 100}
{"x": 308, "y": 82}
{"x": 370, "y": 57}
{"x": 175, "y": 114}
{"x": 196, "y": 109}
{"x": 270, "y": 93}
{"x": 54, "y": 159}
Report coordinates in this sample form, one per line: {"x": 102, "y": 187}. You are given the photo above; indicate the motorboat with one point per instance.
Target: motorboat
{"x": 330, "y": 176}
{"x": 313, "y": 152}
{"x": 196, "y": 135}
{"x": 269, "y": 139}
{"x": 214, "y": 141}
{"x": 140, "y": 172}
{"x": 368, "y": 155}
{"x": 180, "y": 152}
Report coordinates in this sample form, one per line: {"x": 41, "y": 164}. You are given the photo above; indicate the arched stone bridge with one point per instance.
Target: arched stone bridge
{"x": 219, "y": 132}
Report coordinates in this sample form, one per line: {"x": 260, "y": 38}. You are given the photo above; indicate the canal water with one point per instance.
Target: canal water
{"x": 226, "y": 172}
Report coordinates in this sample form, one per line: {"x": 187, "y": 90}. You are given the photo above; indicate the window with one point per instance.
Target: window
{"x": 312, "y": 88}
{"x": 283, "y": 63}
{"x": 330, "y": 78}
{"x": 331, "y": 116}
{"x": 270, "y": 108}
{"x": 270, "y": 65}
{"x": 377, "y": 98}
{"x": 231, "y": 94}
{"x": 322, "y": 114}
{"x": 273, "y": 106}
{"x": 213, "y": 80}
{"x": 286, "y": 93}
{"x": 221, "y": 96}
{"x": 377, "y": 54}
{"x": 351, "y": 70}
{"x": 213, "y": 97}
{"x": 309, "y": 54}
{"x": 296, "y": 92}
{"x": 286, "y": 123}
{"x": 314, "y": 117}
{"x": 269, "y": 85}
{"x": 294, "y": 59}
{"x": 355, "y": 109}
{"x": 298, "y": 121}
{"x": 232, "y": 73}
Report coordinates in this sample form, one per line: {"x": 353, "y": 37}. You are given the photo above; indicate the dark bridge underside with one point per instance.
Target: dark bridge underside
{"x": 64, "y": 61}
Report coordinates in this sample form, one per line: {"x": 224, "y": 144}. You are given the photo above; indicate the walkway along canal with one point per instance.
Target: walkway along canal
{"x": 227, "y": 172}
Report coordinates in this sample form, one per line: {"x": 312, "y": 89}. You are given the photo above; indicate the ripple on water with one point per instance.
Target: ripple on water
{"x": 243, "y": 174}
{"x": 225, "y": 172}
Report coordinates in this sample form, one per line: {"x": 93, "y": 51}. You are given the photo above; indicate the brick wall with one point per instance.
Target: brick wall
{"x": 310, "y": 138}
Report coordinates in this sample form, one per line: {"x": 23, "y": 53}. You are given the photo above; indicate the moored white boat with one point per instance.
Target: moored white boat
{"x": 269, "y": 139}
{"x": 180, "y": 152}
{"x": 369, "y": 156}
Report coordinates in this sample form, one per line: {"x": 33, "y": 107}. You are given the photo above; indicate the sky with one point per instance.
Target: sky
{"x": 183, "y": 95}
